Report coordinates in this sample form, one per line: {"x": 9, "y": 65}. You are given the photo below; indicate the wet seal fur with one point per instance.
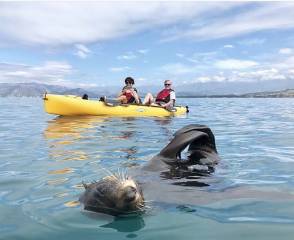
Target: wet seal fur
{"x": 116, "y": 195}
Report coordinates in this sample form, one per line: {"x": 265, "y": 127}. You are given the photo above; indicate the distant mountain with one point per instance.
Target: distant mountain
{"x": 27, "y": 89}
{"x": 238, "y": 88}
{"x": 288, "y": 93}
{"x": 37, "y": 90}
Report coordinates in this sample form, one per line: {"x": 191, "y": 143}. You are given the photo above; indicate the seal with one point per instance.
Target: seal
{"x": 114, "y": 195}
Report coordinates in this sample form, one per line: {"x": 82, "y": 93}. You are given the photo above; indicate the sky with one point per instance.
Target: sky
{"x": 92, "y": 44}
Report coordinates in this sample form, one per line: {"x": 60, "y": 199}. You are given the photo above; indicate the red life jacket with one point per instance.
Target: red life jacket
{"x": 129, "y": 95}
{"x": 164, "y": 95}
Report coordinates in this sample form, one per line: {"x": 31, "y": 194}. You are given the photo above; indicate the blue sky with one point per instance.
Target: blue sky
{"x": 91, "y": 44}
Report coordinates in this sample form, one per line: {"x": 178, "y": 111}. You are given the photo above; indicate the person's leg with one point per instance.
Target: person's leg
{"x": 122, "y": 99}
{"x": 148, "y": 99}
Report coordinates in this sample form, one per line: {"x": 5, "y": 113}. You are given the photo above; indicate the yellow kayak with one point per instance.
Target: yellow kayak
{"x": 69, "y": 105}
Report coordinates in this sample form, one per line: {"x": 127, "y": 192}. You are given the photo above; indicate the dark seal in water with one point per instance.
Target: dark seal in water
{"x": 122, "y": 195}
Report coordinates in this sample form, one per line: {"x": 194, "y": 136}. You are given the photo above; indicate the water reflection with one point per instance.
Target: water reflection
{"x": 128, "y": 130}
{"x": 130, "y": 152}
{"x": 67, "y": 138}
{"x": 163, "y": 121}
{"x": 62, "y": 132}
{"x": 71, "y": 127}
{"x": 164, "y": 124}
{"x": 125, "y": 135}
{"x": 126, "y": 224}
{"x": 61, "y": 171}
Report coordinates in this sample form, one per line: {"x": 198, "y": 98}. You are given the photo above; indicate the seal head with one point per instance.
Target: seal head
{"x": 114, "y": 196}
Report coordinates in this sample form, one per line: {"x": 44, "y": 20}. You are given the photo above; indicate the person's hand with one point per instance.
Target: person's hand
{"x": 166, "y": 105}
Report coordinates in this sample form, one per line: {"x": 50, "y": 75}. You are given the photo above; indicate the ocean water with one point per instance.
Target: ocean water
{"x": 44, "y": 160}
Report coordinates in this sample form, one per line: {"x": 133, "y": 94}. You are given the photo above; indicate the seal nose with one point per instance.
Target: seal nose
{"x": 130, "y": 194}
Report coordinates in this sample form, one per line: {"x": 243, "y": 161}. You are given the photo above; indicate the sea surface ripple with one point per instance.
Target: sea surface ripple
{"x": 44, "y": 160}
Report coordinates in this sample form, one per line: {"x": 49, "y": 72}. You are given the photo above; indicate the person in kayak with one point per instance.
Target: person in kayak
{"x": 129, "y": 94}
{"x": 165, "y": 98}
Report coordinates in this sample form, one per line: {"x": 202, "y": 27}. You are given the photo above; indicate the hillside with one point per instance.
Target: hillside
{"x": 288, "y": 93}
{"x": 37, "y": 90}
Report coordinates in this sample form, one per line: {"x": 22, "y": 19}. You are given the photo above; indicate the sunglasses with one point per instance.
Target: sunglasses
{"x": 129, "y": 83}
{"x": 167, "y": 84}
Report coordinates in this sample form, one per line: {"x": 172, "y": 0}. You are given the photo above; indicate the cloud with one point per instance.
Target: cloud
{"x": 177, "y": 69}
{"x": 203, "y": 57}
{"x": 285, "y": 63}
{"x": 260, "y": 75}
{"x": 203, "y": 79}
{"x": 228, "y": 46}
{"x": 81, "y": 54}
{"x": 209, "y": 67}
{"x": 254, "y": 18}
{"x": 143, "y": 51}
{"x": 235, "y": 64}
{"x": 219, "y": 78}
{"x": 82, "y": 51}
{"x": 83, "y": 48}
{"x": 50, "y": 72}
{"x": 60, "y": 23}
{"x": 141, "y": 79}
{"x": 127, "y": 56}
{"x": 180, "y": 55}
{"x": 252, "y": 41}
{"x": 119, "y": 69}
{"x": 286, "y": 51}
{"x": 131, "y": 55}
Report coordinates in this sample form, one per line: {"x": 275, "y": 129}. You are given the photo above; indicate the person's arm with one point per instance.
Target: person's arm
{"x": 169, "y": 104}
{"x": 122, "y": 92}
{"x": 135, "y": 95}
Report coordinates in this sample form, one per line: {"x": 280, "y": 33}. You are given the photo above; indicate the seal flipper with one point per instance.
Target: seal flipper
{"x": 169, "y": 155}
{"x": 180, "y": 142}
{"x": 201, "y": 146}
{"x": 200, "y": 128}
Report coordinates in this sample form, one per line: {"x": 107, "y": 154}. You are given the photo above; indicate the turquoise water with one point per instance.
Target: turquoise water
{"x": 44, "y": 159}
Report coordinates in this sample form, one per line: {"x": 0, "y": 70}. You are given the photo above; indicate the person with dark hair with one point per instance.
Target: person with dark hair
{"x": 129, "y": 93}
{"x": 165, "y": 98}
